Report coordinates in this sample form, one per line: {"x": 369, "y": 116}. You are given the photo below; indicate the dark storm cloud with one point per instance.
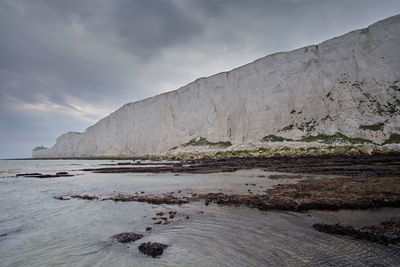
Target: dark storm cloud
{"x": 147, "y": 26}
{"x": 65, "y": 64}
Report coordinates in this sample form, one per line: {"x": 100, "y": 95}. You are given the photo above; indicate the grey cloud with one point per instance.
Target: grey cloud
{"x": 144, "y": 27}
{"x": 65, "y": 64}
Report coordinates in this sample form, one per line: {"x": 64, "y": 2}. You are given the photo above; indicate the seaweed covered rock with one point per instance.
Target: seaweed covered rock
{"x": 127, "y": 237}
{"x": 386, "y": 233}
{"x": 153, "y": 249}
{"x": 85, "y": 197}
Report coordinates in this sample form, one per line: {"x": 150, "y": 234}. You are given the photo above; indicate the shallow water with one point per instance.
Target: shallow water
{"x": 37, "y": 230}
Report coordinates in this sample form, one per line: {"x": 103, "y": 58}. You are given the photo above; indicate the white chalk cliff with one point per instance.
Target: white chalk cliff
{"x": 339, "y": 85}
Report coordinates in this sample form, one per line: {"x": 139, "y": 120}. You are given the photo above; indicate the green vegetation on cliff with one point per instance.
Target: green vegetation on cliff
{"x": 204, "y": 142}
{"x": 321, "y": 138}
{"x": 274, "y": 138}
{"x": 335, "y": 138}
{"x": 373, "y": 127}
{"x": 393, "y": 139}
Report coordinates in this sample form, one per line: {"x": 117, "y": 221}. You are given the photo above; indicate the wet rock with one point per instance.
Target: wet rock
{"x": 85, "y": 197}
{"x": 318, "y": 194}
{"x": 172, "y": 214}
{"x": 39, "y": 175}
{"x": 386, "y": 233}
{"x": 284, "y": 176}
{"x": 152, "y": 249}
{"x": 62, "y": 198}
{"x": 28, "y": 174}
{"x": 306, "y": 194}
{"x": 127, "y": 237}
{"x": 152, "y": 199}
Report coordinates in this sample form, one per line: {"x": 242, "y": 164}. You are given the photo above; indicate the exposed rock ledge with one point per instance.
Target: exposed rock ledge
{"x": 349, "y": 85}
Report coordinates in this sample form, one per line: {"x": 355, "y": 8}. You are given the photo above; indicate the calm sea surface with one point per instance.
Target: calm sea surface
{"x": 37, "y": 230}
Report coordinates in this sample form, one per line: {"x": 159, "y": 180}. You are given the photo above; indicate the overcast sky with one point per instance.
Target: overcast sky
{"x": 65, "y": 64}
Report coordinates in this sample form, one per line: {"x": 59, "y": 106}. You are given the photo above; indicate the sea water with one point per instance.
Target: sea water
{"x": 38, "y": 230}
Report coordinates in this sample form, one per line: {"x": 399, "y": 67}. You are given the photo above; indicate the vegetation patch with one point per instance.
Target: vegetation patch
{"x": 204, "y": 142}
{"x": 264, "y": 152}
{"x": 337, "y": 137}
{"x": 274, "y": 138}
{"x": 393, "y": 139}
{"x": 236, "y": 153}
{"x": 373, "y": 127}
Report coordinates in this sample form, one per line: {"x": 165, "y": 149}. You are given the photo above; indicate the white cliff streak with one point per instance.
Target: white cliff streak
{"x": 335, "y": 86}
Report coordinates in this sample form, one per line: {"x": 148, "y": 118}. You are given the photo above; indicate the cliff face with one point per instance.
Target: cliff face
{"x": 339, "y": 85}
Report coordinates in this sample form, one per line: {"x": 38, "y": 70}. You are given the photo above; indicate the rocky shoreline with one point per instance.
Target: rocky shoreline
{"x": 387, "y": 232}
{"x": 377, "y": 164}
{"x": 308, "y": 194}
{"x": 329, "y": 182}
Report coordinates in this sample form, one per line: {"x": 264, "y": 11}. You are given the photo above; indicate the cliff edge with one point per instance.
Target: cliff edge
{"x": 346, "y": 88}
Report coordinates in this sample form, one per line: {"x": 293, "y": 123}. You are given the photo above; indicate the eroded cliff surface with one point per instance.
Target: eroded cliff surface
{"x": 349, "y": 84}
